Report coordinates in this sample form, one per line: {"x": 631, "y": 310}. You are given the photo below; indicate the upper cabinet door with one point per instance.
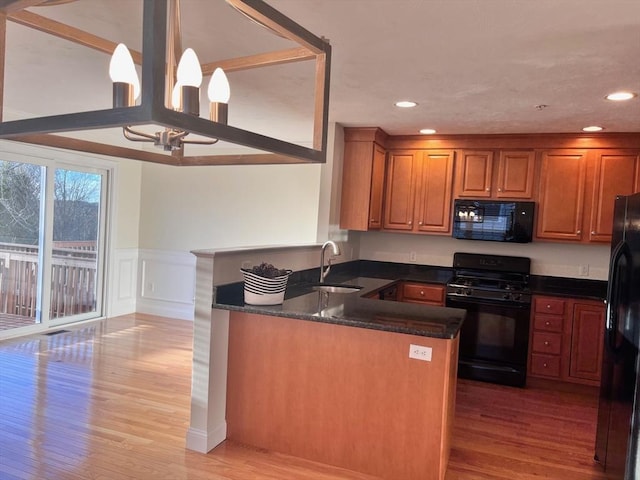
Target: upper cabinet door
{"x": 377, "y": 188}
{"x": 475, "y": 169}
{"x": 433, "y": 196}
{"x": 515, "y": 174}
{"x": 616, "y": 173}
{"x": 362, "y": 186}
{"x": 400, "y": 190}
{"x": 561, "y": 194}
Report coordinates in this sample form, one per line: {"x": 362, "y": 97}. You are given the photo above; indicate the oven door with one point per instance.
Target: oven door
{"x": 494, "y": 341}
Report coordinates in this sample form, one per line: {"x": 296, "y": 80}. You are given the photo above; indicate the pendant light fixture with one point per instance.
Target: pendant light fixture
{"x": 166, "y": 97}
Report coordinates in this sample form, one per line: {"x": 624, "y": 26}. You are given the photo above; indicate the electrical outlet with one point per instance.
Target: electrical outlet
{"x": 413, "y": 256}
{"x": 583, "y": 270}
{"x": 420, "y": 353}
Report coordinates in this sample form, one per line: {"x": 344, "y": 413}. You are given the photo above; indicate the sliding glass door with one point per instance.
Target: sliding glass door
{"x": 52, "y": 230}
{"x": 21, "y": 220}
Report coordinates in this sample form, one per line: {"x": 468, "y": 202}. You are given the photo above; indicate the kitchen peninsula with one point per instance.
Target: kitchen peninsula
{"x": 327, "y": 377}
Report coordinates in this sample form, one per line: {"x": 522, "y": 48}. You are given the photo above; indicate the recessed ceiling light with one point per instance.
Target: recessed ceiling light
{"x": 620, "y": 96}
{"x": 593, "y": 128}
{"x": 405, "y": 104}
{"x": 427, "y": 131}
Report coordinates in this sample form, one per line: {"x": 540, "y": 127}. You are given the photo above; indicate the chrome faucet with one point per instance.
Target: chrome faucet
{"x": 336, "y": 251}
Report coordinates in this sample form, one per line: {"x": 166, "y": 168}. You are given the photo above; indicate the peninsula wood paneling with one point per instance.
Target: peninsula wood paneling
{"x": 340, "y": 395}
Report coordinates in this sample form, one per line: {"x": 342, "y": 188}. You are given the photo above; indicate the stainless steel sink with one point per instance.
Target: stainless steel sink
{"x": 323, "y": 287}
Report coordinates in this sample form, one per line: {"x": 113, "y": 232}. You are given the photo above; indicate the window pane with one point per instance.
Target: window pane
{"x": 20, "y": 205}
{"x": 76, "y": 225}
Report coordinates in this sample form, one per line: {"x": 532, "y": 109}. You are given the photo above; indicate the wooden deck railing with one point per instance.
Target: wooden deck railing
{"x": 73, "y": 279}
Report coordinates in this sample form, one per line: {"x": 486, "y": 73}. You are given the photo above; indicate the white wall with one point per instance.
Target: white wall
{"x": 187, "y": 208}
{"x": 216, "y": 207}
{"x": 547, "y": 258}
{"x": 126, "y": 222}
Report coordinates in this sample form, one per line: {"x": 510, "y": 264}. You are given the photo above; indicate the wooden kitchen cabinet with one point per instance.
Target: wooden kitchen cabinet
{"x": 433, "y": 196}
{"x": 474, "y": 173}
{"x": 400, "y": 188}
{"x": 516, "y": 169}
{"x": 566, "y": 339}
{"x": 587, "y": 339}
{"x": 477, "y": 178}
{"x": 561, "y": 195}
{"x": 362, "y": 180}
{"x": 424, "y": 293}
{"x": 418, "y": 191}
{"x": 547, "y": 338}
{"x": 615, "y": 173}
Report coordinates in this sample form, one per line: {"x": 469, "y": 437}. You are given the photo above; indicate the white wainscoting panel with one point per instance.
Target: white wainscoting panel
{"x": 166, "y": 284}
{"x": 122, "y": 293}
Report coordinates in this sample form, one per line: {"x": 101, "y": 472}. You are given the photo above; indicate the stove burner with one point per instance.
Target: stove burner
{"x": 476, "y": 281}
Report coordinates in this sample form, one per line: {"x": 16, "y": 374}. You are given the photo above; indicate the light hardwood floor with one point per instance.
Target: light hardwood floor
{"x": 110, "y": 400}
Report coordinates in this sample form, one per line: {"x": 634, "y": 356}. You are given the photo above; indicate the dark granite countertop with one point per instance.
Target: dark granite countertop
{"x": 354, "y": 310}
{"x": 568, "y": 287}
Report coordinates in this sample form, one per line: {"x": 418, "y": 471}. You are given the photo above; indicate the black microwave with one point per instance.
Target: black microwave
{"x": 494, "y": 220}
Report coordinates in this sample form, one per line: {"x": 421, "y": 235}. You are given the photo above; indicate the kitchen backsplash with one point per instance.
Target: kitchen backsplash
{"x": 547, "y": 258}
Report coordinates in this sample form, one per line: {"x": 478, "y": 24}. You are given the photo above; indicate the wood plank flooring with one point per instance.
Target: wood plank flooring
{"x": 110, "y": 400}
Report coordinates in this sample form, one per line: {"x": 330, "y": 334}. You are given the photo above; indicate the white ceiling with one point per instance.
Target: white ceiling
{"x": 473, "y": 66}
{"x": 479, "y": 66}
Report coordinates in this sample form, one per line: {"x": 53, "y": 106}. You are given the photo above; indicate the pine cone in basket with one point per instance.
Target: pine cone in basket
{"x": 267, "y": 270}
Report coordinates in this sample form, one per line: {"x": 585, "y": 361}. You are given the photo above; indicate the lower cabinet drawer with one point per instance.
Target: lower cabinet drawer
{"x": 432, "y": 294}
{"x": 547, "y": 343}
{"x": 548, "y": 323}
{"x": 546, "y": 365}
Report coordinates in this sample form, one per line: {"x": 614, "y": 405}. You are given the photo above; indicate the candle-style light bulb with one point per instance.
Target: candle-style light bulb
{"x": 122, "y": 69}
{"x": 219, "y": 90}
{"x": 189, "y": 72}
{"x": 219, "y": 93}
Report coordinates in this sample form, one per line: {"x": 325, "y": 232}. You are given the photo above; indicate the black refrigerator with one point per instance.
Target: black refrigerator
{"x": 618, "y": 427}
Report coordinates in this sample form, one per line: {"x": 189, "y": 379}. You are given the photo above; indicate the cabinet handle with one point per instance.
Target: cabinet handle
{"x": 410, "y": 223}
{"x": 420, "y": 223}
{"x": 594, "y": 233}
{"x": 546, "y": 343}
{"x": 578, "y": 232}
{"x": 372, "y": 220}
{"x": 499, "y": 189}
{"x": 547, "y": 323}
{"x": 487, "y": 189}
{"x": 548, "y": 306}
{"x": 545, "y": 365}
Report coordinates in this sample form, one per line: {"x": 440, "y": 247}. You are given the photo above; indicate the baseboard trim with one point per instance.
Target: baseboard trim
{"x": 203, "y": 442}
